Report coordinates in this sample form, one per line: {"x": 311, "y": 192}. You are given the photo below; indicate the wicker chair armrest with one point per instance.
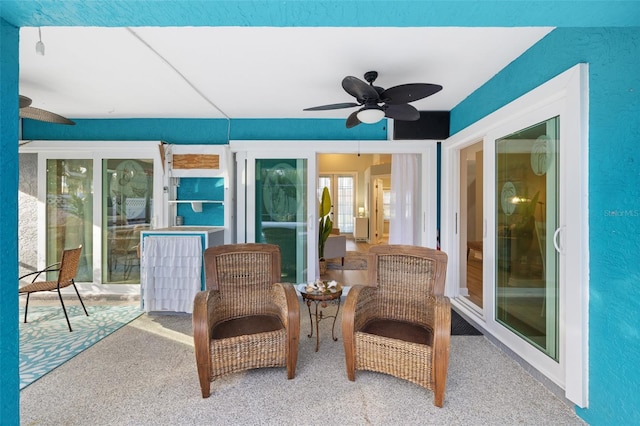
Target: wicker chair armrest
{"x": 286, "y": 299}
{"x": 358, "y": 309}
{"x": 50, "y": 268}
{"x": 366, "y": 306}
{"x": 441, "y": 338}
{"x": 203, "y": 321}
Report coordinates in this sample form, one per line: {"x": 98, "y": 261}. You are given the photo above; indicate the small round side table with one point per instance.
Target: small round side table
{"x": 322, "y": 297}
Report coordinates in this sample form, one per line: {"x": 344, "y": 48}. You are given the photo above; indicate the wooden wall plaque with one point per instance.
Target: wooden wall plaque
{"x": 196, "y": 161}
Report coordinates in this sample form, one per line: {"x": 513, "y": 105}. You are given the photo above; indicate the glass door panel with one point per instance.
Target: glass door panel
{"x": 281, "y": 212}
{"x": 526, "y": 218}
{"x": 127, "y": 209}
{"x": 343, "y": 212}
{"x": 471, "y": 223}
{"x": 69, "y": 212}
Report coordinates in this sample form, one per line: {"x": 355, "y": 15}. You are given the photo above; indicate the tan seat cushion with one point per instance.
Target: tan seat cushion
{"x": 400, "y": 330}
{"x": 246, "y": 325}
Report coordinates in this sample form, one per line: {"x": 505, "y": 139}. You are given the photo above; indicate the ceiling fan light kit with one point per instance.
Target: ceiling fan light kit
{"x": 395, "y": 100}
{"x": 370, "y": 114}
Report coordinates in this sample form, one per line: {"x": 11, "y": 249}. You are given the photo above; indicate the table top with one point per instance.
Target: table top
{"x": 328, "y": 294}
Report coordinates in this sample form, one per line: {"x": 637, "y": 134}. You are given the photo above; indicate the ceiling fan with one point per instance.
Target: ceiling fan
{"x": 395, "y": 100}
{"x": 27, "y": 111}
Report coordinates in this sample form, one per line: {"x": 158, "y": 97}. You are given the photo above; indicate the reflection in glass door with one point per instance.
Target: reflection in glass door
{"x": 70, "y": 212}
{"x": 526, "y": 218}
{"x": 471, "y": 223}
{"x": 281, "y": 212}
{"x": 127, "y": 209}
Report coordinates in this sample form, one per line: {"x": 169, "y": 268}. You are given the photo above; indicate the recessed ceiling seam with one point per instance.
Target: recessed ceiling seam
{"x": 177, "y": 71}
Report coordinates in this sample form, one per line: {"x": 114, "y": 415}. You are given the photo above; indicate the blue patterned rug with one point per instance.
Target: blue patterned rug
{"x": 46, "y": 343}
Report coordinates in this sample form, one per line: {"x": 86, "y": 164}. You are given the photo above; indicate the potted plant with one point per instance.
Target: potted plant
{"x": 325, "y": 226}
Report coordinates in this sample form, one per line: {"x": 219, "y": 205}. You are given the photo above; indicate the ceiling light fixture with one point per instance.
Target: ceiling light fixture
{"x": 370, "y": 114}
{"x": 40, "y": 44}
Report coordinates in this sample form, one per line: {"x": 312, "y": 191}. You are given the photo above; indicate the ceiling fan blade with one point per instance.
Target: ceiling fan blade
{"x": 352, "y": 120}
{"x": 406, "y": 93}
{"x": 42, "y": 115}
{"x": 360, "y": 90}
{"x": 332, "y": 106}
{"x": 24, "y": 101}
{"x": 404, "y": 112}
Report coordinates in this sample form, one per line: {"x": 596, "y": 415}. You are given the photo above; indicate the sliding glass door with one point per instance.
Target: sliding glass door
{"x": 526, "y": 214}
{"x": 69, "y": 212}
{"x": 281, "y": 212}
{"x": 127, "y": 209}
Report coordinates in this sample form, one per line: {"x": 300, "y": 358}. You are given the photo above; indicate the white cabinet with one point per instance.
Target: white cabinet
{"x": 197, "y": 186}
{"x": 360, "y": 228}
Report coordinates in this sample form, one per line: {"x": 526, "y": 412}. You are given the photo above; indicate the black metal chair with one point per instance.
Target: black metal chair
{"x": 67, "y": 269}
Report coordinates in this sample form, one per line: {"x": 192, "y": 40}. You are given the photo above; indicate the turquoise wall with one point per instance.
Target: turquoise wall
{"x": 613, "y": 55}
{"x": 9, "y": 395}
{"x": 204, "y": 131}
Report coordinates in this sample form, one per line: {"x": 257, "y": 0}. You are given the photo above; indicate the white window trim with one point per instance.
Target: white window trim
{"x": 571, "y": 89}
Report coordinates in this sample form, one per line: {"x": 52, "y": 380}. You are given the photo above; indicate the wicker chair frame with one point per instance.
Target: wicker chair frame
{"x": 400, "y": 324}
{"x": 245, "y": 318}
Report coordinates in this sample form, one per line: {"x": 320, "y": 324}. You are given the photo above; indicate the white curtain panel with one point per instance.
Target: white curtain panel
{"x": 171, "y": 273}
{"x": 405, "y": 207}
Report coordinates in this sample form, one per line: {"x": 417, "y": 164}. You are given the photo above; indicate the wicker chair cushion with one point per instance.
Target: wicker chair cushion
{"x": 252, "y": 324}
{"x": 408, "y": 332}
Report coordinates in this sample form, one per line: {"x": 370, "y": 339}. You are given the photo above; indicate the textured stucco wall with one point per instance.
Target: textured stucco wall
{"x": 9, "y": 342}
{"x": 614, "y": 196}
{"x": 28, "y": 217}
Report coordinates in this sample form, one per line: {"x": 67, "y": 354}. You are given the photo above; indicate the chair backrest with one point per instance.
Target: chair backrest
{"x": 69, "y": 266}
{"x": 243, "y": 274}
{"x": 406, "y": 277}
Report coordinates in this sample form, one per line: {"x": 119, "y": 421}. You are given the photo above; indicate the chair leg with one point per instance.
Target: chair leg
{"x": 205, "y": 383}
{"x": 80, "y": 298}
{"x": 64, "y": 310}
{"x": 26, "y": 308}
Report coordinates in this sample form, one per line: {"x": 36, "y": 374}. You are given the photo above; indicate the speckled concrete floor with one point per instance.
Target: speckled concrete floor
{"x": 145, "y": 374}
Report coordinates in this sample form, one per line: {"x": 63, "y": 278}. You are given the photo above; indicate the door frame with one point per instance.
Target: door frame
{"x": 247, "y": 151}
{"x": 95, "y": 151}
{"x": 568, "y": 94}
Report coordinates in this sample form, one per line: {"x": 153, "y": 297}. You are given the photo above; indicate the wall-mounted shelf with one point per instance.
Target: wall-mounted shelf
{"x": 196, "y": 205}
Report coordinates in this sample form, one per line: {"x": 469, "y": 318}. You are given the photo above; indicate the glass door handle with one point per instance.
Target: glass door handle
{"x": 556, "y": 241}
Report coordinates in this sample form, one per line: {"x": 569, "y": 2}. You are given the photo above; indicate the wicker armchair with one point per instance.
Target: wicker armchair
{"x": 67, "y": 269}
{"x": 245, "y": 318}
{"x": 401, "y": 323}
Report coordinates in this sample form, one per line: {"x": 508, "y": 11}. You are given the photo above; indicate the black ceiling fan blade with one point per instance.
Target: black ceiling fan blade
{"x": 360, "y": 90}
{"x": 332, "y": 106}
{"x": 352, "y": 120}
{"x": 404, "y": 112}
{"x": 42, "y": 115}
{"x": 406, "y": 93}
{"x": 24, "y": 101}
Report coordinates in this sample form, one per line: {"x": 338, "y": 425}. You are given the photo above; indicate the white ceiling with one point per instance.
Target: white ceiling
{"x": 252, "y": 72}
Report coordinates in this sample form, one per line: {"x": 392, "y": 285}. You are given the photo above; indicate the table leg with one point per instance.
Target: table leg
{"x": 310, "y": 319}
{"x": 317, "y": 331}
{"x": 335, "y": 339}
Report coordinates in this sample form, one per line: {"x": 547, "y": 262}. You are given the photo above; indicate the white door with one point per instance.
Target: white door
{"x": 533, "y": 229}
